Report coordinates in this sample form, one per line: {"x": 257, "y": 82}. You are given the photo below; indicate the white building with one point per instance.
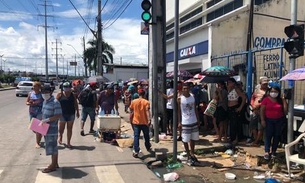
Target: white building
{"x": 210, "y": 28}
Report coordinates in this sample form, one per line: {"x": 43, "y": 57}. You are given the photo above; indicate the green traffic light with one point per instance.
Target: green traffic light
{"x": 146, "y": 16}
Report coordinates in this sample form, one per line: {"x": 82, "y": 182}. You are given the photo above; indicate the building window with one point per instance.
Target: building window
{"x": 170, "y": 26}
{"x": 224, "y": 10}
{"x": 212, "y": 3}
{"x": 191, "y": 25}
{"x": 190, "y": 15}
{"x": 169, "y": 36}
{"x": 258, "y": 2}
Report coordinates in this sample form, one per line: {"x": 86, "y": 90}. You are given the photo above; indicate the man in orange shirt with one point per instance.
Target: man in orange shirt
{"x": 140, "y": 108}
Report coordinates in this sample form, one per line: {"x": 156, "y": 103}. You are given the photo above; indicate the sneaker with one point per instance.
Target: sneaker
{"x": 273, "y": 155}
{"x": 179, "y": 138}
{"x": 266, "y": 156}
{"x": 149, "y": 149}
{"x": 135, "y": 155}
{"x": 82, "y": 133}
{"x": 194, "y": 159}
{"x": 91, "y": 131}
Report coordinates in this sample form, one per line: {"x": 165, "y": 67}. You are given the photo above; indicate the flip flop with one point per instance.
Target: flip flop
{"x": 69, "y": 146}
{"x": 47, "y": 170}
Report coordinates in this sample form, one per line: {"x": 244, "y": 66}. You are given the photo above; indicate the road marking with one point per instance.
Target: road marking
{"x": 119, "y": 149}
{"x": 108, "y": 174}
{"x": 1, "y": 172}
{"x": 52, "y": 177}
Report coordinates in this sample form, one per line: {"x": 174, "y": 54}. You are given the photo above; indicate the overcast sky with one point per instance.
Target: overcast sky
{"x": 22, "y": 34}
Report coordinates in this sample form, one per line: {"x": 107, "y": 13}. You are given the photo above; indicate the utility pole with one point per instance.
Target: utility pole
{"x": 56, "y": 55}
{"x": 1, "y": 64}
{"x": 155, "y": 70}
{"x": 99, "y": 39}
{"x": 46, "y": 36}
{"x": 175, "y": 104}
{"x": 84, "y": 59}
{"x": 294, "y": 5}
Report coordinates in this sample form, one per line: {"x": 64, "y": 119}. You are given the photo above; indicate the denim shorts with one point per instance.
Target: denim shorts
{"x": 67, "y": 117}
{"x": 88, "y": 111}
{"x": 51, "y": 144}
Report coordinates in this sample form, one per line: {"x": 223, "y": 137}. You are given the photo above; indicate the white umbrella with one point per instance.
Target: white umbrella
{"x": 98, "y": 79}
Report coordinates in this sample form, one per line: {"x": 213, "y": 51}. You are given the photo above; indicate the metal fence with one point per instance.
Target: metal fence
{"x": 270, "y": 62}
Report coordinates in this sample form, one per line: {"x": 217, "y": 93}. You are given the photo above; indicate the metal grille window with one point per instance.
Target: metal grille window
{"x": 225, "y": 9}
{"x": 169, "y": 36}
{"x": 258, "y": 2}
{"x": 212, "y": 3}
{"x": 170, "y": 26}
{"x": 191, "y": 14}
{"x": 191, "y": 25}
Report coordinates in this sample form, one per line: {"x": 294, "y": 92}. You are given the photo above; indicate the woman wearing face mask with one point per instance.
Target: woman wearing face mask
{"x": 69, "y": 105}
{"x": 35, "y": 101}
{"x": 272, "y": 112}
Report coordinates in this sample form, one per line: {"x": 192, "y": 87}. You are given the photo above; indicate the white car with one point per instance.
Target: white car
{"x": 23, "y": 88}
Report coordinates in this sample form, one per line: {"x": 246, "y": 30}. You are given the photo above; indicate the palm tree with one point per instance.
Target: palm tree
{"x": 90, "y": 55}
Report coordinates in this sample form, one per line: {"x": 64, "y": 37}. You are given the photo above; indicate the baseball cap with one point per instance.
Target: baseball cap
{"x": 110, "y": 86}
{"x": 66, "y": 84}
{"x": 46, "y": 89}
{"x": 263, "y": 80}
{"x": 93, "y": 84}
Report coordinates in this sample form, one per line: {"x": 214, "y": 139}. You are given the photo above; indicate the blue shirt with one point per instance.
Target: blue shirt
{"x": 35, "y": 110}
{"x": 51, "y": 108}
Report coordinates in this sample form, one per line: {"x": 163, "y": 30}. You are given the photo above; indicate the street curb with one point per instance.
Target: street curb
{"x": 9, "y": 88}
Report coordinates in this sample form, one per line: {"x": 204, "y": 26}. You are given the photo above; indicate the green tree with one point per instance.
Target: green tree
{"x": 90, "y": 55}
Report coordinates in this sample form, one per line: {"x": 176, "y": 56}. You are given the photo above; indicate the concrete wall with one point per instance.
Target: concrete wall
{"x": 268, "y": 31}
{"x": 127, "y": 73}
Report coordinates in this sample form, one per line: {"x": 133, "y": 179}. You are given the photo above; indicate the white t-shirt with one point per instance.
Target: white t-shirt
{"x": 188, "y": 114}
{"x": 169, "y": 104}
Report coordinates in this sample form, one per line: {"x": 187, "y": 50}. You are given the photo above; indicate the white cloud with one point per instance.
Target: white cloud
{"x": 27, "y": 42}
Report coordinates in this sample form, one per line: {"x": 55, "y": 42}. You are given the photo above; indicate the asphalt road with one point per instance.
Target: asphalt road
{"x": 89, "y": 161}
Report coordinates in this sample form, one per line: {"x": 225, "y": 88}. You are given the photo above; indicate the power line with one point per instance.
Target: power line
{"x": 119, "y": 15}
{"x": 82, "y": 17}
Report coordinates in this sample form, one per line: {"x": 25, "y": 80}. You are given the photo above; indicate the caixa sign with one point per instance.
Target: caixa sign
{"x": 186, "y": 52}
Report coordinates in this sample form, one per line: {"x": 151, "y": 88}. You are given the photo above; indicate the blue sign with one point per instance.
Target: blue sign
{"x": 268, "y": 42}
{"x": 190, "y": 51}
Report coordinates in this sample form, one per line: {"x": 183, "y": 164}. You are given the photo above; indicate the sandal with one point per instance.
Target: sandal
{"x": 47, "y": 170}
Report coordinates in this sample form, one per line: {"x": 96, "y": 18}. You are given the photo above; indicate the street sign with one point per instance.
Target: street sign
{"x": 144, "y": 28}
{"x": 73, "y": 63}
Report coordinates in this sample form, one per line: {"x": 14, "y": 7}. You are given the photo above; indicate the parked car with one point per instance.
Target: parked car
{"x": 23, "y": 88}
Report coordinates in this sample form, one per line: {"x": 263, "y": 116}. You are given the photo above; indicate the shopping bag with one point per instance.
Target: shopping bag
{"x": 36, "y": 126}
{"x": 210, "y": 110}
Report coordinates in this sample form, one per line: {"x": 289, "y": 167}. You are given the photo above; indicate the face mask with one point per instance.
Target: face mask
{"x": 46, "y": 96}
{"x": 67, "y": 89}
{"x": 273, "y": 94}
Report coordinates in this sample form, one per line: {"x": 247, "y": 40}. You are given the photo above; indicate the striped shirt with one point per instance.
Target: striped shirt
{"x": 51, "y": 108}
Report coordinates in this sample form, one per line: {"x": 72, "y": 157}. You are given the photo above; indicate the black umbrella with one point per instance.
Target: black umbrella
{"x": 219, "y": 71}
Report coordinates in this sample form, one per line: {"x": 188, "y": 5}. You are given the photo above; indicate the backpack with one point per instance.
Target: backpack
{"x": 84, "y": 96}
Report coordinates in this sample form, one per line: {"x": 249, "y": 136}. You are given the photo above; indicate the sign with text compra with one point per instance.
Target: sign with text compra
{"x": 144, "y": 28}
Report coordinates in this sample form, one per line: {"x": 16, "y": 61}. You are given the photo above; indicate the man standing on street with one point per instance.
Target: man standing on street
{"x": 140, "y": 108}
{"x": 88, "y": 100}
{"x": 51, "y": 112}
{"x": 189, "y": 122}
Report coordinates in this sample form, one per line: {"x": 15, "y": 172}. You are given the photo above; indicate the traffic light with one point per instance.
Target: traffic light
{"x": 146, "y": 15}
{"x": 295, "y": 43}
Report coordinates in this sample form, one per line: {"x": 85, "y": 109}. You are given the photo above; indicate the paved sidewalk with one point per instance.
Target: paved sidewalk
{"x": 205, "y": 145}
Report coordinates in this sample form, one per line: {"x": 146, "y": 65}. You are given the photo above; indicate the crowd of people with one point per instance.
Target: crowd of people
{"x": 223, "y": 114}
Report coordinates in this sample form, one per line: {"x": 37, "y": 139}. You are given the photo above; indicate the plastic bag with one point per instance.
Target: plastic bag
{"x": 170, "y": 176}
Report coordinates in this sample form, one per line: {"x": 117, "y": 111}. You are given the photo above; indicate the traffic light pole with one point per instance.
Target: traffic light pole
{"x": 294, "y": 4}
